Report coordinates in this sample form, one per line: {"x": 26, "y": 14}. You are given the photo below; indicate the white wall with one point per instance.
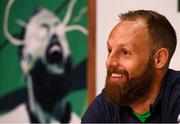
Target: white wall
{"x": 107, "y": 17}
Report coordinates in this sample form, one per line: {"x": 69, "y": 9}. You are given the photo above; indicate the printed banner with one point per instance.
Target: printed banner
{"x": 43, "y": 60}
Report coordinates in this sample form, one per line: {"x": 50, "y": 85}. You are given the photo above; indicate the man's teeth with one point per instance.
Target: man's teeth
{"x": 116, "y": 75}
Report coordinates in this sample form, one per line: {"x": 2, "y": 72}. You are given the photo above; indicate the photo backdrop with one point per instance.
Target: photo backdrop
{"x": 13, "y": 82}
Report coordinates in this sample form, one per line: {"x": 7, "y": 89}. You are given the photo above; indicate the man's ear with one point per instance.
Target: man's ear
{"x": 161, "y": 58}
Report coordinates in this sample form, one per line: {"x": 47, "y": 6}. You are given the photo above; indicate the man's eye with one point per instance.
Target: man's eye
{"x": 109, "y": 50}
{"x": 125, "y": 52}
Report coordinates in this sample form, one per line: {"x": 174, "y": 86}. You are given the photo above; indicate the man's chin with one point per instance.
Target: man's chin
{"x": 113, "y": 92}
{"x": 126, "y": 93}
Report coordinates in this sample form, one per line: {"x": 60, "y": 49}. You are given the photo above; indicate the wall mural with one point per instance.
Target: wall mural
{"x": 178, "y": 3}
{"x": 43, "y": 55}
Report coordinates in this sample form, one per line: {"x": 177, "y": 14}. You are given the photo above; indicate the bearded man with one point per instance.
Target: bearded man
{"x": 140, "y": 87}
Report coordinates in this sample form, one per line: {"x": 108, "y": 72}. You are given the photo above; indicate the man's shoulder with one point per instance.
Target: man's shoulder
{"x": 101, "y": 101}
{"x": 171, "y": 95}
{"x": 100, "y": 110}
{"x": 174, "y": 75}
{"x": 172, "y": 82}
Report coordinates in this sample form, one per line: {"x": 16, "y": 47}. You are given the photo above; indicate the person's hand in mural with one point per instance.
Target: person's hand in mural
{"x": 139, "y": 87}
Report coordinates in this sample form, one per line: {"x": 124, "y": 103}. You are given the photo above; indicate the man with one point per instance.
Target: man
{"x": 139, "y": 86}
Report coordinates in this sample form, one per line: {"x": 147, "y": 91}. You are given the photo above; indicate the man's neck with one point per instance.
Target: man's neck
{"x": 143, "y": 104}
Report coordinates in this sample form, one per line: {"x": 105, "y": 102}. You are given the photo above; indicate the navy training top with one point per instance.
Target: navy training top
{"x": 165, "y": 109}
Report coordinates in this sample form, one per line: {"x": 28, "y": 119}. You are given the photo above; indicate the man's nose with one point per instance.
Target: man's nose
{"x": 112, "y": 61}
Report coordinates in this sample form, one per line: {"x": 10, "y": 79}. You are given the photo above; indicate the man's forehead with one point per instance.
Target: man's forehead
{"x": 130, "y": 26}
{"x": 127, "y": 31}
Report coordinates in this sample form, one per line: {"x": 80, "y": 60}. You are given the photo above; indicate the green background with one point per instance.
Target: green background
{"x": 11, "y": 77}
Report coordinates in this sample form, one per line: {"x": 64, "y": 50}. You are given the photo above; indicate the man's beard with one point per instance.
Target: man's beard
{"x": 128, "y": 92}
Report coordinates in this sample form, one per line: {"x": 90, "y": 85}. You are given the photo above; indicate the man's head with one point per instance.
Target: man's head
{"x": 140, "y": 47}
